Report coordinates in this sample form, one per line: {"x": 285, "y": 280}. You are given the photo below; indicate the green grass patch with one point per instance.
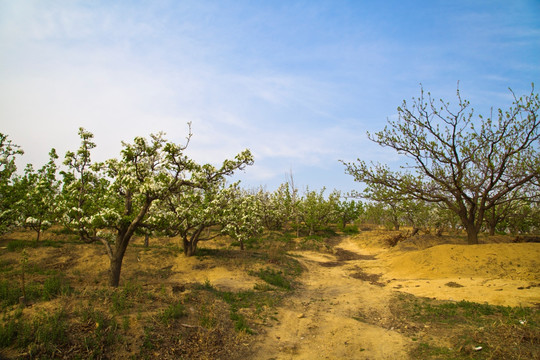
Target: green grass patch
{"x": 240, "y": 322}
{"x": 8, "y": 265}
{"x": 40, "y": 336}
{"x": 350, "y": 230}
{"x": 273, "y": 277}
{"x": 126, "y": 297}
{"x": 52, "y": 287}
{"x": 15, "y": 245}
{"x": 466, "y": 312}
{"x": 103, "y": 333}
{"x": 428, "y": 351}
{"x": 242, "y": 300}
{"x": 55, "y": 286}
{"x": 475, "y": 331}
{"x": 173, "y": 312}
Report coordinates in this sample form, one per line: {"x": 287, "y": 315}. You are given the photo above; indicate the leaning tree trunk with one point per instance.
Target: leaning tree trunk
{"x": 122, "y": 241}
{"x": 116, "y": 258}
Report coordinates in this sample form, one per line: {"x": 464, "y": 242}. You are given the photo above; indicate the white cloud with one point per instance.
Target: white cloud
{"x": 295, "y": 100}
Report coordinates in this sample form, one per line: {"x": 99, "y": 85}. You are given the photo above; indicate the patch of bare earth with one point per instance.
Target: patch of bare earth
{"x": 323, "y": 318}
{"x": 345, "y": 305}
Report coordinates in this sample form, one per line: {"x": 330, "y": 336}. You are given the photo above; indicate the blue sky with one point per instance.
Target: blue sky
{"x": 297, "y": 82}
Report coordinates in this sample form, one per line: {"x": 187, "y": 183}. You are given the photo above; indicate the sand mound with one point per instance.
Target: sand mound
{"x": 501, "y": 274}
{"x": 510, "y": 261}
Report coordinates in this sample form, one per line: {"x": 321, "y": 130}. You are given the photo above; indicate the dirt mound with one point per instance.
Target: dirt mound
{"x": 500, "y": 274}
{"x": 424, "y": 241}
{"x": 509, "y": 261}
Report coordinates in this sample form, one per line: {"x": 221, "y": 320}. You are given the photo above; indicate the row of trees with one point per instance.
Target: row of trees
{"x": 107, "y": 201}
{"x": 523, "y": 217}
{"x": 154, "y": 188}
{"x": 479, "y": 173}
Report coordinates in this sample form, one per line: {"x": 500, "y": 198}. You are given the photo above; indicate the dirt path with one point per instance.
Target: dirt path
{"x": 323, "y": 319}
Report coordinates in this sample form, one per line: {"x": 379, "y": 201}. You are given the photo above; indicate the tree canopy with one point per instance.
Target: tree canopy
{"x": 468, "y": 163}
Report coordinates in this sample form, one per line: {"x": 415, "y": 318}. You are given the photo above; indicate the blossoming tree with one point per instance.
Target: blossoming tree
{"x": 148, "y": 170}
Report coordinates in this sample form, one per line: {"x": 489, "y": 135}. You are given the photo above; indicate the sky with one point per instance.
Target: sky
{"x": 299, "y": 83}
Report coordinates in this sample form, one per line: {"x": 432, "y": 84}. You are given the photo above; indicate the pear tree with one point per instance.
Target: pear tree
{"x": 148, "y": 170}
{"x": 242, "y": 217}
{"x": 190, "y": 214}
{"x": 37, "y": 207}
{"x": 8, "y": 197}
{"x": 465, "y": 163}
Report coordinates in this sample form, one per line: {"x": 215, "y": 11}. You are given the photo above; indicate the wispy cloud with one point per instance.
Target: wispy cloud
{"x": 298, "y": 83}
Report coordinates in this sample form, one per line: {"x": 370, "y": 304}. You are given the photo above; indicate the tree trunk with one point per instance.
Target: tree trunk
{"x": 116, "y": 259}
{"x": 146, "y": 240}
{"x": 415, "y": 231}
{"x": 190, "y": 247}
{"x": 115, "y": 267}
{"x": 472, "y": 232}
{"x": 472, "y": 237}
{"x": 471, "y": 227}
{"x": 241, "y": 245}
{"x": 38, "y": 231}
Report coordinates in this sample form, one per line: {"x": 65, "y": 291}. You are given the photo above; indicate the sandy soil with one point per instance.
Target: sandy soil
{"x": 322, "y": 320}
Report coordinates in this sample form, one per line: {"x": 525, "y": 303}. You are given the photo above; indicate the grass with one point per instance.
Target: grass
{"x": 15, "y": 245}
{"x": 40, "y": 336}
{"x": 100, "y": 334}
{"x": 466, "y": 312}
{"x": 173, "y": 312}
{"x": 273, "y": 277}
{"x": 53, "y": 286}
{"x": 123, "y": 299}
{"x": 350, "y": 230}
{"x": 242, "y": 300}
{"x": 501, "y": 332}
{"x": 102, "y": 322}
